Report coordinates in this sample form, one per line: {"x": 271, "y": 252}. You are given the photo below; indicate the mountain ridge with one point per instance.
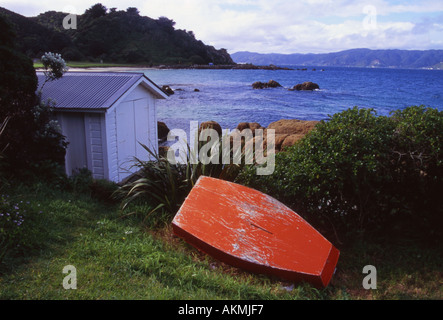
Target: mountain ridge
{"x": 359, "y": 57}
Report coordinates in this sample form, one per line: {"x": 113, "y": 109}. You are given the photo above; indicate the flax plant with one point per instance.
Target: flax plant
{"x": 165, "y": 184}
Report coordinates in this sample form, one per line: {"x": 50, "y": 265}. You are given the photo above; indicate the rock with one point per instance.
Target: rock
{"x": 167, "y": 90}
{"x": 245, "y": 139}
{"x": 306, "y": 86}
{"x": 292, "y": 126}
{"x": 258, "y": 85}
{"x": 263, "y": 85}
{"x": 237, "y": 136}
{"x": 288, "y": 132}
{"x": 243, "y": 125}
{"x": 291, "y": 140}
{"x": 249, "y": 125}
{"x": 273, "y": 84}
{"x": 279, "y": 139}
{"x": 163, "y": 151}
{"x": 196, "y": 90}
{"x": 210, "y": 125}
{"x": 162, "y": 130}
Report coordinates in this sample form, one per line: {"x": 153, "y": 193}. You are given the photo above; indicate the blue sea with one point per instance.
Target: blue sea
{"x": 226, "y": 96}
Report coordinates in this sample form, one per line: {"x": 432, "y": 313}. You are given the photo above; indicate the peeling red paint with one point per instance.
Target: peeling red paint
{"x": 251, "y": 230}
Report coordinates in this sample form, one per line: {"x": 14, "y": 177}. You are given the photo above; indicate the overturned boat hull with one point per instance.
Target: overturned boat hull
{"x": 253, "y": 231}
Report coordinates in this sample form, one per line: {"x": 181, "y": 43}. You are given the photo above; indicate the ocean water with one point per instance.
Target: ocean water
{"x": 226, "y": 96}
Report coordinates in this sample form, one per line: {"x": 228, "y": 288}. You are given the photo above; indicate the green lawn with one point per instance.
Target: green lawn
{"x": 119, "y": 258}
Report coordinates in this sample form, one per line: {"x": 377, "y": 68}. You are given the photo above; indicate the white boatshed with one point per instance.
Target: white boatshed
{"x": 105, "y": 116}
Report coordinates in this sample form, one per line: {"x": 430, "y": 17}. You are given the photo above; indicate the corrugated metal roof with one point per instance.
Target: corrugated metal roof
{"x": 90, "y": 90}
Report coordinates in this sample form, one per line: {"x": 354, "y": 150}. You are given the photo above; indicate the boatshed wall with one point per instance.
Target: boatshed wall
{"x": 105, "y": 130}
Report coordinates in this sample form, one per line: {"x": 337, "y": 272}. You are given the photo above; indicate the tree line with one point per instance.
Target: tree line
{"x": 112, "y": 36}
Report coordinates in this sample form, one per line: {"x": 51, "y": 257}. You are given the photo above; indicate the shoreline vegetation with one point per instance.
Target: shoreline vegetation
{"x": 121, "y": 67}
{"x": 97, "y": 66}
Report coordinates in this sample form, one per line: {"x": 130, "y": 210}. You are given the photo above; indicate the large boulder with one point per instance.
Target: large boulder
{"x": 162, "y": 130}
{"x": 263, "y": 85}
{"x": 163, "y": 151}
{"x": 167, "y": 89}
{"x": 249, "y": 125}
{"x": 290, "y": 140}
{"x": 210, "y": 125}
{"x": 306, "y": 86}
{"x": 292, "y": 126}
{"x": 289, "y": 131}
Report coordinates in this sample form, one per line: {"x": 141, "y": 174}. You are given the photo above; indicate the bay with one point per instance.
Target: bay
{"x": 226, "y": 96}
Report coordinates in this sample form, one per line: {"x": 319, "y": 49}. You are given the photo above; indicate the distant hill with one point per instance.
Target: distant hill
{"x": 349, "y": 58}
{"x": 34, "y": 39}
{"x": 112, "y": 36}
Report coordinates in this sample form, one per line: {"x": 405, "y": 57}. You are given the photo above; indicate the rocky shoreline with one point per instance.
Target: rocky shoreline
{"x": 180, "y": 67}
{"x": 287, "y": 131}
{"x": 246, "y": 66}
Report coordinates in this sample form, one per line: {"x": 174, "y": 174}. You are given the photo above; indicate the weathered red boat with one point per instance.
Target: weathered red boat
{"x": 251, "y": 230}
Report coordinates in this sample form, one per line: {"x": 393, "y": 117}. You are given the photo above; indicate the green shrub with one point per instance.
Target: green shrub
{"x": 362, "y": 173}
{"x": 32, "y": 138}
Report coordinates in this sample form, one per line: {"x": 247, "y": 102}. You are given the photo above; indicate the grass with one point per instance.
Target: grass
{"x": 118, "y": 258}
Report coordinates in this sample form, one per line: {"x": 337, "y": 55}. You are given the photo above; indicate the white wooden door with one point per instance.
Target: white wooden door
{"x": 73, "y": 127}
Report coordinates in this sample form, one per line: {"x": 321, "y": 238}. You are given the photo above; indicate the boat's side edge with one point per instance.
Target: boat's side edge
{"x": 289, "y": 275}
{"x": 330, "y": 266}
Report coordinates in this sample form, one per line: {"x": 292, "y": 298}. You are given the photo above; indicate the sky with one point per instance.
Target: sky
{"x": 282, "y": 26}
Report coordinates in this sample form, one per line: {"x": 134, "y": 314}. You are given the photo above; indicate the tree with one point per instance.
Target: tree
{"x": 18, "y": 80}
{"x": 133, "y": 11}
{"x": 96, "y": 11}
{"x": 30, "y": 136}
{"x": 7, "y": 35}
{"x": 166, "y": 24}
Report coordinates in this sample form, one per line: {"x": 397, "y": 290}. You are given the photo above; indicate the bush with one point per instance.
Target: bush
{"x": 158, "y": 183}
{"x": 31, "y": 138}
{"x": 362, "y": 173}
{"x": 33, "y": 145}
